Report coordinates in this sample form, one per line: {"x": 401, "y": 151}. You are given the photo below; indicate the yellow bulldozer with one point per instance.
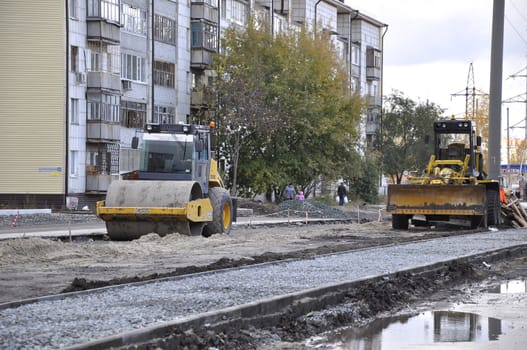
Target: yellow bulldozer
{"x": 177, "y": 187}
{"x": 453, "y": 188}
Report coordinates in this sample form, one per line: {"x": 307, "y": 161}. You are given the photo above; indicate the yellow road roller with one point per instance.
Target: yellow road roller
{"x": 453, "y": 188}
{"x": 177, "y": 187}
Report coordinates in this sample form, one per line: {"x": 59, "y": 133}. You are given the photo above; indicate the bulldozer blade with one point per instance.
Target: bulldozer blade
{"x": 437, "y": 199}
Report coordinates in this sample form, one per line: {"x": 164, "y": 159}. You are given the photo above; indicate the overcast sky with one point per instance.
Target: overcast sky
{"x": 430, "y": 44}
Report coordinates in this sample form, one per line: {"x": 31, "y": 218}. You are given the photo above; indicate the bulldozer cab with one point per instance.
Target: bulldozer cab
{"x": 174, "y": 152}
{"x": 455, "y": 141}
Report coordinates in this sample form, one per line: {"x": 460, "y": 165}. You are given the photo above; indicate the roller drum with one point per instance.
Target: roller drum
{"x": 152, "y": 194}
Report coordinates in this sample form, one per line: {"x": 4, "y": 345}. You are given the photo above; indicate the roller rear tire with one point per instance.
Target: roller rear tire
{"x": 222, "y": 212}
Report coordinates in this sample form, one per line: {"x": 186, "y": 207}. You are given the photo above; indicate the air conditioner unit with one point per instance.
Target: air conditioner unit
{"x": 126, "y": 84}
{"x": 81, "y": 78}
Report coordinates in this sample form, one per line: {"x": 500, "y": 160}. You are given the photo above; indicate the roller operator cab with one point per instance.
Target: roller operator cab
{"x": 453, "y": 188}
{"x": 177, "y": 187}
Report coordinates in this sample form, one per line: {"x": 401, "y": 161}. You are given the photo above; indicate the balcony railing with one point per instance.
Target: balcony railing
{"x": 201, "y": 58}
{"x": 373, "y": 73}
{"x": 202, "y": 10}
{"x": 374, "y": 101}
{"x": 101, "y": 30}
{"x": 99, "y": 130}
{"x": 104, "y": 80}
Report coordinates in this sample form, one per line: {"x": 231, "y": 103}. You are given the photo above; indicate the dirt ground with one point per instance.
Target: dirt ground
{"x": 36, "y": 267}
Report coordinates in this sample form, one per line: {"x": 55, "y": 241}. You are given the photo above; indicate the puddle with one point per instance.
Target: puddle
{"x": 425, "y": 328}
{"x": 510, "y": 287}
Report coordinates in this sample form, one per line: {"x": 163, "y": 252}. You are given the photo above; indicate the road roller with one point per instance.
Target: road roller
{"x": 176, "y": 188}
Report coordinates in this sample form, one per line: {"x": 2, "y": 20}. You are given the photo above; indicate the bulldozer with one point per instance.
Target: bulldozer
{"x": 176, "y": 188}
{"x": 453, "y": 188}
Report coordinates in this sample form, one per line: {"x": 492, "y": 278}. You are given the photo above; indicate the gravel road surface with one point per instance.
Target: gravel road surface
{"x": 52, "y": 324}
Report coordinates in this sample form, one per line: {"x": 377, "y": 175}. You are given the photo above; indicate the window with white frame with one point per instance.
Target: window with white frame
{"x": 104, "y": 58}
{"x": 164, "y": 74}
{"x": 164, "y": 114}
{"x": 103, "y": 107}
{"x": 239, "y": 12}
{"x": 107, "y": 9}
{"x": 73, "y": 7}
{"x": 164, "y": 29}
{"x": 73, "y": 163}
{"x": 133, "y": 114}
{"x": 223, "y": 9}
{"x": 204, "y": 35}
{"x": 133, "y": 67}
{"x": 355, "y": 55}
{"x": 74, "y": 111}
{"x": 133, "y": 19}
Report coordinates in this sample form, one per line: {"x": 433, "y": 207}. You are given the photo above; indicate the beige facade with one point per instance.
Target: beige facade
{"x": 32, "y": 97}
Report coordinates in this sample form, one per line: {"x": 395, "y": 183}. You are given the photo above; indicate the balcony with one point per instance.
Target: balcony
{"x": 371, "y": 127}
{"x": 104, "y": 81}
{"x": 201, "y": 58}
{"x": 375, "y": 101}
{"x": 99, "y": 182}
{"x": 202, "y": 10}
{"x": 101, "y": 30}
{"x": 199, "y": 99}
{"x": 100, "y": 130}
{"x": 373, "y": 73}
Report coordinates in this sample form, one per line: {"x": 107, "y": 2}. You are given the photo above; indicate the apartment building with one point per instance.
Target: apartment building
{"x": 83, "y": 79}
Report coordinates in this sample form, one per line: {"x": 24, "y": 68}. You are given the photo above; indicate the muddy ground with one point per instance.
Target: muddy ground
{"x": 36, "y": 267}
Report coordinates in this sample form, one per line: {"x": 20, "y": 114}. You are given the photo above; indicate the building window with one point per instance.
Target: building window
{"x": 133, "y": 68}
{"x": 239, "y": 12}
{"x": 373, "y": 58}
{"x": 223, "y": 9}
{"x": 103, "y": 107}
{"x": 204, "y": 36}
{"x": 165, "y": 29}
{"x": 73, "y": 8}
{"x": 355, "y": 85}
{"x": 164, "y": 74}
{"x": 133, "y": 114}
{"x": 164, "y": 114}
{"x": 355, "y": 55}
{"x": 74, "y": 111}
{"x": 107, "y": 9}
{"x": 74, "y": 59}
{"x": 73, "y": 163}
{"x": 104, "y": 58}
{"x": 133, "y": 19}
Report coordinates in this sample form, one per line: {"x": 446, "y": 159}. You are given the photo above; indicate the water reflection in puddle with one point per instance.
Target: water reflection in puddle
{"x": 510, "y": 287}
{"x": 425, "y": 328}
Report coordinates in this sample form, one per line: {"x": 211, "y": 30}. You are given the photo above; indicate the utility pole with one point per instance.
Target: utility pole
{"x": 496, "y": 73}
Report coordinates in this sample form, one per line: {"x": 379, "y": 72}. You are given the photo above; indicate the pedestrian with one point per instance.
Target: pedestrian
{"x": 300, "y": 196}
{"x": 341, "y": 192}
{"x": 289, "y": 192}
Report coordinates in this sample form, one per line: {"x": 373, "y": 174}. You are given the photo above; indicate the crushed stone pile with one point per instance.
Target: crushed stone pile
{"x": 314, "y": 209}
{"x": 44, "y": 219}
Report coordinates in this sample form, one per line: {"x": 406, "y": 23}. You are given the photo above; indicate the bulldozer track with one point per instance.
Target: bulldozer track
{"x": 134, "y": 313}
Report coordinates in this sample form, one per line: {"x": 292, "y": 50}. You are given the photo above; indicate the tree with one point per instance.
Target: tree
{"x": 404, "y": 129}
{"x": 284, "y": 113}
